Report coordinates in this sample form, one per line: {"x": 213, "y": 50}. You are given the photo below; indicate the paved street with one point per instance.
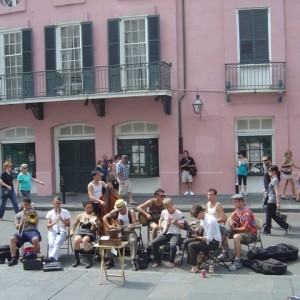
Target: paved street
{"x": 161, "y": 283}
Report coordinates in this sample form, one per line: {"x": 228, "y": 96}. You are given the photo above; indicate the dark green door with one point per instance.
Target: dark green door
{"x": 77, "y": 159}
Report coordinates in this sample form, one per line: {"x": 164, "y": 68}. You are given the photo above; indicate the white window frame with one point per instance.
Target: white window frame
{"x": 122, "y": 50}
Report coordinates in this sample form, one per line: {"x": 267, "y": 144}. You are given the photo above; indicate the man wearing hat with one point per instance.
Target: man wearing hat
{"x": 127, "y": 219}
{"x": 242, "y": 229}
{"x": 122, "y": 172}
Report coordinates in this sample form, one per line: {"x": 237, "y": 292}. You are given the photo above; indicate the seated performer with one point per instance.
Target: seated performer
{"x": 242, "y": 230}
{"x": 210, "y": 240}
{"x": 58, "y": 219}
{"x": 127, "y": 218}
{"x": 26, "y": 223}
{"x": 88, "y": 224}
{"x": 155, "y": 207}
{"x": 95, "y": 191}
{"x": 173, "y": 218}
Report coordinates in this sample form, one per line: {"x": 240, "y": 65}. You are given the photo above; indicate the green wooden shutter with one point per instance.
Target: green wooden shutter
{"x": 50, "y": 59}
{"x": 27, "y": 80}
{"x": 114, "y": 75}
{"x": 154, "y": 52}
{"x": 254, "y": 40}
{"x": 87, "y": 57}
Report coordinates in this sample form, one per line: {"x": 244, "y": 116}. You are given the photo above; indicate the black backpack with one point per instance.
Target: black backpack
{"x": 143, "y": 259}
{"x": 270, "y": 266}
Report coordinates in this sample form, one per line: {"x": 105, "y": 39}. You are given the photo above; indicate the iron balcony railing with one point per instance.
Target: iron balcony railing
{"x": 93, "y": 80}
{"x": 262, "y": 77}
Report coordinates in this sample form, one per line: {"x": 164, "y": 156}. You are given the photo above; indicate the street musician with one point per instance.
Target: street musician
{"x": 88, "y": 223}
{"x": 26, "y": 223}
{"x": 58, "y": 220}
{"x": 149, "y": 211}
{"x": 126, "y": 218}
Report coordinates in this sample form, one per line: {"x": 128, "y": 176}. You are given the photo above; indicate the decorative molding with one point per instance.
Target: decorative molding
{"x": 67, "y": 2}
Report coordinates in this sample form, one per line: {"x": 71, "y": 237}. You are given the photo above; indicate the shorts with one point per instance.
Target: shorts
{"x": 247, "y": 237}
{"x": 27, "y": 236}
{"x": 186, "y": 176}
{"x": 125, "y": 187}
{"x": 286, "y": 177}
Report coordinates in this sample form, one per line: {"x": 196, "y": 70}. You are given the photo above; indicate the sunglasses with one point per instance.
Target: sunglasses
{"x": 265, "y": 160}
{"x": 161, "y": 195}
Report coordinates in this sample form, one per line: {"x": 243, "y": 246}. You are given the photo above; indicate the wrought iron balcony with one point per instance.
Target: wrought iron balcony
{"x": 106, "y": 80}
{"x": 262, "y": 77}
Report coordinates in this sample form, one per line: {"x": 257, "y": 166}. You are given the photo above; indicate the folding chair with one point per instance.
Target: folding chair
{"x": 259, "y": 225}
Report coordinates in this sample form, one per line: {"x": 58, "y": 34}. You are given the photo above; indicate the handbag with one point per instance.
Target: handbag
{"x": 286, "y": 170}
{"x": 4, "y": 192}
{"x": 193, "y": 171}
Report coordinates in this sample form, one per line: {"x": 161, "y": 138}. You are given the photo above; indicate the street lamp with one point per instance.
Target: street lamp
{"x": 198, "y": 105}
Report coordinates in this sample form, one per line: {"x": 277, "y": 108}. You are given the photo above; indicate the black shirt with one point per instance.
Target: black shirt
{"x": 187, "y": 160}
{"x": 7, "y": 179}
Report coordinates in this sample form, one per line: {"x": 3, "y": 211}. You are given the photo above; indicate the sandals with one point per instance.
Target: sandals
{"x": 283, "y": 197}
{"x": 297, "y": 200}
{"x": 194, "y": 271}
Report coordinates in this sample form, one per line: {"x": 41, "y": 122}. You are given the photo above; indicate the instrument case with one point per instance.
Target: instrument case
{"x": 32, "y": 264}
{"x": 52, "y": 266}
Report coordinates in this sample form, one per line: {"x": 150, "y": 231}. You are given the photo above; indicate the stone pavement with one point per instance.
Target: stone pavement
{"x": 160, "y": 283}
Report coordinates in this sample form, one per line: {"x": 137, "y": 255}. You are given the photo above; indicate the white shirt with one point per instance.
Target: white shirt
{"x": 211, "y": 229}
{"x": 177, "y": 215}
{"x": 60, "y": 226}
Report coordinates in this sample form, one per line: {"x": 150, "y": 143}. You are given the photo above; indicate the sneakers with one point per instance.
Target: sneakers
{"x": 288, "y": 229}
{"x": 186, "y": 193}
{"x": 223, "y": 256}
{"x": 244, "y": 194}
{"x": 237, "y": 264}
{"x": 191, "y": 193}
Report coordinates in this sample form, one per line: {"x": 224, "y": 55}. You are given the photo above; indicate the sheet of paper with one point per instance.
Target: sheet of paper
{"x": 114, "y": 251}
{"x": 105, "y": 237}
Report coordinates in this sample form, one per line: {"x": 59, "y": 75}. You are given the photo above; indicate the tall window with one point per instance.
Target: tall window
{"x": 135, "y": 53}
{"x": 70, "y": 56}
{"x": 254, "y": 36}
{"x": 255, "y": 135}
{"x": 12, "y": 45}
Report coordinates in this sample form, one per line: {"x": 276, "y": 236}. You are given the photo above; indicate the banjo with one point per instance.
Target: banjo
{"x": 165, "y": 225}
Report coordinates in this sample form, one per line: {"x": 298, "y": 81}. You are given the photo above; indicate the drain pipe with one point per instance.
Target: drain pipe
{"x": 184, "y": 78}
{"x": 180, "y": 137}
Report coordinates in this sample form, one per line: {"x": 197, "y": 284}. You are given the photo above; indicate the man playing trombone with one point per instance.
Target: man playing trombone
{"x": 58, "y": 219}
{"x": 26, "y": 223}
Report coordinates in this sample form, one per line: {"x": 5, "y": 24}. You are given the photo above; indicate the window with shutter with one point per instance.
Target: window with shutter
{"x": 69, "y": 49}
{"x": 254, "y": 37}
{"x": 135, "y": 44}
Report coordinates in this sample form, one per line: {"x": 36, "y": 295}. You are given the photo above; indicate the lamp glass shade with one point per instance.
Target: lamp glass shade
{"x": 197, "y": 105}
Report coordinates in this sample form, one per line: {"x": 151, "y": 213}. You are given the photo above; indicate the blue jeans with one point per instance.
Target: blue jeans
{"x": 161, "y": 240}
{"x": 12, "y": 196}
{"x": 25, "y": 194}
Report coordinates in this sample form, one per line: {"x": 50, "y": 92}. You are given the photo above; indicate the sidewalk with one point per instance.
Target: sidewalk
{"x": 73, "y": 202}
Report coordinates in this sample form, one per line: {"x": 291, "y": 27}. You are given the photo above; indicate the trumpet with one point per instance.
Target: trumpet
{"x": 29, "y": 217}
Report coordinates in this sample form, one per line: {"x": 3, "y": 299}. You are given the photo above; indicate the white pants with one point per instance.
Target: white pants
{"x": 55, "y": 241}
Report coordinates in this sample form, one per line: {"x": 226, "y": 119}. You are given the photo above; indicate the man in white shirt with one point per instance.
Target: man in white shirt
{"x": 210, "y": 240}
{"x": 173, "y": 219}
{"x": 58, "y": 219}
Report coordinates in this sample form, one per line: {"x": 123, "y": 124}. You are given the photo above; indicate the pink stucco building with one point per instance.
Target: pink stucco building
{"x": 80, "y": 79}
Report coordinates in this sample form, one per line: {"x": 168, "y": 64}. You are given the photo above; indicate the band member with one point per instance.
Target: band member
{"x": 88, "y": 224}
{"x": 242, "y": 229}
{"x": 26, "y": 223}
{"x": 127, "y": 218}
{"x": 154, "y": 208}
{"x": 95, "y": 191}
{"x": 174, "y": 221}
{"x": 58, "y": 219}
{"x": 208, "y": 241}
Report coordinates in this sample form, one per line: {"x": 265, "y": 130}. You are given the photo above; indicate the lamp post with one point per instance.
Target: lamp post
{"x": 198, "y": 105}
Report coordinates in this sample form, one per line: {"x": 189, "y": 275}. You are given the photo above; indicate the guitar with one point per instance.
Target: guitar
{"x": 143, "y": 219}
{"x": 118, "y": 224}
{"x": 165, "y": 225}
